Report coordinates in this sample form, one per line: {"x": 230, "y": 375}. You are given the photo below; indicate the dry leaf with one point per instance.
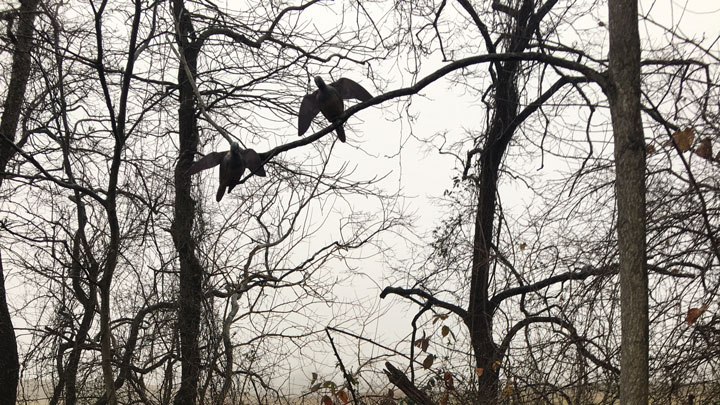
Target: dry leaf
{"x": 428, "y": 362}
{"x": 684, "y": 139}
{"x": 343, "y": 396}
{"x": 326, "y": 400}
{"x": 390, "y": 393}
{"x": 694, "y": 313}
{"x": 448, "y": 381}
{"x": 423, "y": 343}
{"x": 704, "y": 150}
{"x": 439, "y": 317}
{"x": 479, "y": 371}
{"x": 650, "y": 149}
{"x": 445, "y": 330}
{"x": 496, "y": 365}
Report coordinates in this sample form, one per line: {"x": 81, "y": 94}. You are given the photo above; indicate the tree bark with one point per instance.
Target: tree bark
{"x": 18, "y": 80}
{"x": 190, "y": 294}
{"x": 401, "y": 381}
{"x": 624, "y": 98}
{"x": 21, "y": 67}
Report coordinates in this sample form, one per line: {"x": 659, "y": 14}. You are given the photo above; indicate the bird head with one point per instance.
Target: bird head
{"x": 320, "y": 82}
{"x": 235, "y": 149}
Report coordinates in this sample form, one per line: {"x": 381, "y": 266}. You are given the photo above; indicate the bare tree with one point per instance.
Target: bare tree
{"x": 23, "y": 41}
{"x": 499, "y": 265}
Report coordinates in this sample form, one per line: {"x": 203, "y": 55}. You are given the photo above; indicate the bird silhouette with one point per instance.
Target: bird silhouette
{"x": 232, "y": 166}
{"x": 328, "y": 99}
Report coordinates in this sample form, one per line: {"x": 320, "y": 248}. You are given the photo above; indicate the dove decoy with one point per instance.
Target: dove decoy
{"x": 328, "y": 99}
{"x": 232, "y": 166}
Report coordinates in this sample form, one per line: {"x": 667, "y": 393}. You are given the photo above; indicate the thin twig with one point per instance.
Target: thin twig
{"x": 200, "y": 102}
{"x": 425, "y": 307}
{"x": 342, "y": 367}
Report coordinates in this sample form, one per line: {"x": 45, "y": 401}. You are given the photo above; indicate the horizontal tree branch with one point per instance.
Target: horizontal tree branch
{"x": 586, "y": 272}
{"x": 407, "y": 293}
{"x": 589, "y": 75}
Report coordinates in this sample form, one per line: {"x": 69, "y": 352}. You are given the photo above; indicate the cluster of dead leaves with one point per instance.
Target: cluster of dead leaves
{"x": 341, "y": 395}
{"x": 684, "y": 139}
{"x": 326, "y": 399}
{"x": 424, "y": 342}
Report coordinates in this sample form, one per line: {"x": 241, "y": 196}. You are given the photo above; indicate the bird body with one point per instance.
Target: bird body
{"x": 232, "y": 166}
{"x": 328, "y": 99}
{"x": 331, "y": 106}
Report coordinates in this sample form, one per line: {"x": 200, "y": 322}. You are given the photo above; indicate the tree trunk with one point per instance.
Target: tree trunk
{"x": 88, "y": 303}
{"x": 500, "y": 132}
{"x": 190, "y": 295}
{"x": 480, "y": 313}
{"x": 9, "y": 366}
{"x": 624, "y": 97}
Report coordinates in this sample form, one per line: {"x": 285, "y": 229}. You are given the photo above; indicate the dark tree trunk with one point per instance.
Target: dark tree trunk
{"x": 71, "y": 369}
{"x": 624, "y": 97}
{"x": 190, "y": 295}
{"x": 88, "y": 302}
{"x": 501, "y": 130}
{"x": 18, "y": 80}
{"x": 9, "y": 366}
{"x": 480, "y": 312}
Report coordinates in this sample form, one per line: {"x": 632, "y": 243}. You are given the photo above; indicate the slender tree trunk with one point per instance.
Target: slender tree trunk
{"x": 83, "y": 258}
{"x": 499, "y": 134}
{"x": 86, "y": 300}
{"x": 190, "y": 295}
{"x": 480, "y": 313}
{"x": 624, "y": 96}
{"x": 74, "y": 358}
{"x": 9, "y": 365}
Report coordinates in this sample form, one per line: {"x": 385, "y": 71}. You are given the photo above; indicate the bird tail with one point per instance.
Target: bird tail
{"x": 220, "y": 193}
{"x": 340, "y": 134}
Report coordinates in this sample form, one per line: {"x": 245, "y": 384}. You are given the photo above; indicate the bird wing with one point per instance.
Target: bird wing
{"x": 210, "y": 160}
{"x": 308, "y": 110}
{"x": 253, "y": 162}
{"x": 350, "y": 89}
